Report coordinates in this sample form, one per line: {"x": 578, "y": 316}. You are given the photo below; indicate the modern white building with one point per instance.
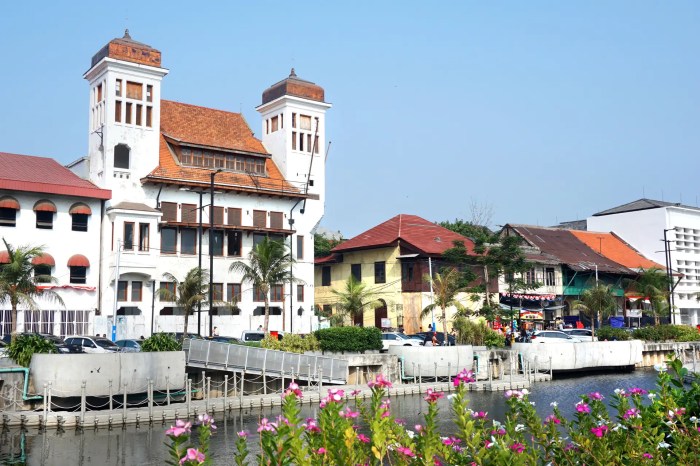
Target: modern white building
{"x": 180, "y": 174}
{"x": 44, "y": 204}
{"x": 643, "y": 223}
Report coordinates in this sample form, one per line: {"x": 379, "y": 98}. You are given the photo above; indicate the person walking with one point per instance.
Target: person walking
{"x": 435, "y": 340}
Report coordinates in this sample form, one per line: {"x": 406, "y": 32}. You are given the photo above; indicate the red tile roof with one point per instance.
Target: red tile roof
{"x": 568, "y": 249}
{"x": 613, "y": 247}
{"x": 413, "y": 231}
{"x": 44, "y": 175}
{"x": 190, "y": 125}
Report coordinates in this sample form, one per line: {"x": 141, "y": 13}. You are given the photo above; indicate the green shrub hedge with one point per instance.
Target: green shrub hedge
{"x": 349, "y": 339}
{"x": 612, "y": 334}
{"x": 667, "y": 333}
{"x": 291, "y": 342}
{"x": 161, "y": 342}
{"x": 22, "y": 348}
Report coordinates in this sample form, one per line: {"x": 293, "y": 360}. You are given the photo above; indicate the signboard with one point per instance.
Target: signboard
{"x": 636, "y": 313}
{"x": 531, "y": 315}
{"x": 386, "y": 323}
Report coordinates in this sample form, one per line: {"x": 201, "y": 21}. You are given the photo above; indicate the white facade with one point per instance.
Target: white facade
{"x": 136, "y": 230}
{"x": 644, "y": 230}
{"x": 61, "y": 242}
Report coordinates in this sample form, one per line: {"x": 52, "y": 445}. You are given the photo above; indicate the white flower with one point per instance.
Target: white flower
{"x": 525, "y": 391}
{"x": 496, "y": 424}
{"x": 532, "y": 403}
{"x": 619, "y": 391}
{"x": 553, "y": 404}
{"x": 410, "y": 433}
{"x": 519, "y": 428}
{"x": 663, "y": 445}
{"x": 660, "y": 367}
{"x": 651, "y": 396}
{"x": 693, "y": 419}
{"x": 449, "y": 397}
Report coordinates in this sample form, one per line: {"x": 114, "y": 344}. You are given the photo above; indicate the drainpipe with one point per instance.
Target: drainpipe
{"x": 25, "y": 370}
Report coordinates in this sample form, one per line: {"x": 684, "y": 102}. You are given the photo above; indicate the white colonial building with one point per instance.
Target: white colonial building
{"x": 44, "y": 204}
{"x": 180, "y": 174}
{"x": 643, "y": 224}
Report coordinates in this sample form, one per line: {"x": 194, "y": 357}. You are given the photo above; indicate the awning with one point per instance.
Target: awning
{"x": 80, "y": 208}
{"x": 44, "y": 206}
{"x": 44, "y": 259}
{"x": 78, "y": 260}
{"x": 4, "y": 257}
{"x": 9, "y": 202}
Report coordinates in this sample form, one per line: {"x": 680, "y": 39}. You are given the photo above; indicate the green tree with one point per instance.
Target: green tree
{"x": 596, "y": 302}
{"x": 270, "y": 264}
{"x": 446, "y": 287}
{"x": 188, "y": 292}
{"x": 19, "y": 282}
{"x": 323, "y": 245}
{"x": 652, "y": 284}
{"x": 466, "y": 228}
{"x": 502, "y": 256}
{"x": 353, "y": 299}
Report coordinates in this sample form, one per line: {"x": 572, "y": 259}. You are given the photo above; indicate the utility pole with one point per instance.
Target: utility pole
{"x": 211, "y": 251}
{"x": 116, "y": 292}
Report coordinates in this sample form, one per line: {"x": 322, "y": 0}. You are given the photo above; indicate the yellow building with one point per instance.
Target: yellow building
{"x": 392, "y": 260}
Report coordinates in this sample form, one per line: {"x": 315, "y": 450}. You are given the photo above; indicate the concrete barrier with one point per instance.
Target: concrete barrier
{"x": 584, "y": 355}
{"x": 66, "y": 372}
{"x": 420, "y": 361}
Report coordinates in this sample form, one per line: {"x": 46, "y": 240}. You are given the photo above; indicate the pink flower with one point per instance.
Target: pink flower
{"x": 451, "y": 441}
{"x": 633, "y": 412}
{"x": 206, "y": 420}
{"x": 679, "y": 411}
{"x": 637, "y": 391}
{"x": 595, "y": 396}
{"x": 419, "y": 428}
{"x": 582, "y": 407}
{"x": 501, "y": 431}
{"x": 243, "y": 434}
{"x": 266, "y": 426}
{"x": 518, "y": 447}
{"x": 335, "y": 395}
{"x": 349, "y": 414}
{"x": 406, "y": 451}
{"x": 355, "y": 392}
{"x": 180, "y": 428}
{"x": 193, "y": 455}
{"x": 379, "y": 382}
{"x": 292, "y": 389}
{"x": 487, "y": 444}
{"x": 514, "y": 394}
{"x": 647, "y": 456}
{"x": 433, "y": 396}
{"x": 311, "y": 425}
{"x": 479, "y": 415}
{"x": 363, "y": 438}
{"x": 464, "y": 376}
{"x": 552, "y": 419}
{"x": 321, "y": 451}
{"x": 599, "y": 431}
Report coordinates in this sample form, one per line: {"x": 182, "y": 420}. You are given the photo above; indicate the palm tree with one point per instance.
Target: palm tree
{"x": 19, "y": 282}
{"x": 188, "y": 292}
{"x": 353, "y": 300}
{"x": 445, "y": 290}
{"x": 653, "y": 285}
{"x": 596, "y": 301}
{"x": 270, "y": 264}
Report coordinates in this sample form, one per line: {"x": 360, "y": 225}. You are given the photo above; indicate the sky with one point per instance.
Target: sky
{"x": 537, "y": 111}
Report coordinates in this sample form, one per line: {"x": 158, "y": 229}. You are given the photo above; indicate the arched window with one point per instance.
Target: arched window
{"x": 121, "y": 156}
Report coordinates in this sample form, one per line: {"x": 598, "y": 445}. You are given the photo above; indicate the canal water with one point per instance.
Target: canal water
{"x": 145, "y": 445}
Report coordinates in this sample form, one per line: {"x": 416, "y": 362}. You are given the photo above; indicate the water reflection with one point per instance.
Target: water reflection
{"x": 144, "y": 445}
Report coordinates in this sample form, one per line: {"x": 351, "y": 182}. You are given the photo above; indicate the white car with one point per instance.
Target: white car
{"x": 92, "y": 344}
{"x": 552, "y": 336}
{"x": 397, "y": 339}
{"x": 580, "y": 333}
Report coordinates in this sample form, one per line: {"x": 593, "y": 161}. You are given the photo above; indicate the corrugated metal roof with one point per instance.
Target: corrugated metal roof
{"x": 641, "y": 204}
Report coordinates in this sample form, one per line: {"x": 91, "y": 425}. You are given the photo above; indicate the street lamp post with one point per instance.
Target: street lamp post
{"x": 211, "y": 249}
{"x": 669, "y": 273}
{"x": 199, "y": 265}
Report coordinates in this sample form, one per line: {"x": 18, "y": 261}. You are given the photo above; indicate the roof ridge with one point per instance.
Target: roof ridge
{"x": 202, "y": 107}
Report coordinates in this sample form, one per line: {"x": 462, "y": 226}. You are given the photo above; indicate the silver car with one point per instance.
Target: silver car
{"x": 129, "y": 345}
{"x": 579, "y": 333}
{"x": 397, "y": 339}
{"x": 552, "y": 336}
{"x": 92, "y": 344}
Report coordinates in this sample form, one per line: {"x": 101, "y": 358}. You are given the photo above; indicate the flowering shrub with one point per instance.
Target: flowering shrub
{"x": 647, "y": 428}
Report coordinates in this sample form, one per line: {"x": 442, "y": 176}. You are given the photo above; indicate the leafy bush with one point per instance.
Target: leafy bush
{"x": 477, "y": 333}
{"x": 667, "y": 333}
{"x": 291, "y": 342}
{"x": 22, "y": 347}
{"x": 612, "y": 334}
{"x": 633, "y": 428}
{"x": 350, "y": 339}
{"x": 161, "y": 342}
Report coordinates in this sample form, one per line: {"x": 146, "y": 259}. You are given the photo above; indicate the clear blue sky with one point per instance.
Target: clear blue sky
{"x": 545, "y": 111}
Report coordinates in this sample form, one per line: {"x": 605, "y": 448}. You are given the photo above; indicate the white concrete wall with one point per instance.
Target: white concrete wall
{"x": 422, "y": 360}
{"x": 584, "y": 355}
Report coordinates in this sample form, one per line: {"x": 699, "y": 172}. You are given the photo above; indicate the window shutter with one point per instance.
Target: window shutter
{"x": 218, "y": 215}
{"x": 260, "y": 218}
{"x": 169, "y": 210}
{"x": 189, "y": 213}
{"x": 234, "y": 217}
{"x": 276, "y": 220}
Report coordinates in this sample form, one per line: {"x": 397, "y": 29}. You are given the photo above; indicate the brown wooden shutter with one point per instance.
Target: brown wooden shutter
{"x": 169, "y": 210}
{"x": 218, "y": 215}
{"x": 276, "y": 220}
{"x": 189, "y": 213}
{"x": 260, "y": 218}
{"x": 234, "y": 216}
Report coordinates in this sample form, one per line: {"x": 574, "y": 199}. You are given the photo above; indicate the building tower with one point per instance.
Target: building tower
{"x": 124, "y": 77}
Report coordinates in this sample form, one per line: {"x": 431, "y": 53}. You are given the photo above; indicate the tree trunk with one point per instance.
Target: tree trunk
{"x": 266, "y": 322}
{"x": 593, "y": 319}
{"x": 445, "y": 341}
{"x": 187, "y": 318}
{"x": 14, "y": 320}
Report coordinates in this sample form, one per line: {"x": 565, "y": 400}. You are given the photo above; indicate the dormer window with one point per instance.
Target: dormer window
{"x": 215, "y": 159}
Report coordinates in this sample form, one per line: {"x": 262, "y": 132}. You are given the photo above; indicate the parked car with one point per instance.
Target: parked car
{"x": 224, "y": 339}
{"x": 582, "y": 334}
{"x": 93, "y": 344}
{"x": 256, "y": 335}
{"x": 129, "y": 345}
{"x": 178, "y": 336}
{"x": 419, "y": 338}
{"x": 61, "y": 346}
{"x": 552, "y": 336}
{"x": 440, "y": 338}
{"x": 397, "y": 339}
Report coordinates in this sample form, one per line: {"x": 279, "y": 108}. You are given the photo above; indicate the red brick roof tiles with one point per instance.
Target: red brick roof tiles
{"x": 44, "y": 175}
{"x": 414, "y": 231}
{"x": 613, "y": 247}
